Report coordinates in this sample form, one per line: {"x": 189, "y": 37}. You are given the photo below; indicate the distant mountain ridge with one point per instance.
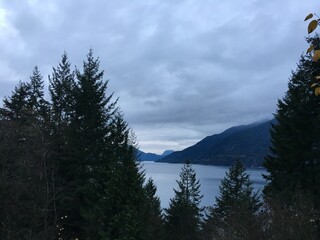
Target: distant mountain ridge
{"x": 152, "y": 156}
{"x": 249, "y": 143}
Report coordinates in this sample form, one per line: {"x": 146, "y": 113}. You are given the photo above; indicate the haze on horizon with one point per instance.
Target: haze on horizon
{"x": 182, "y": 70}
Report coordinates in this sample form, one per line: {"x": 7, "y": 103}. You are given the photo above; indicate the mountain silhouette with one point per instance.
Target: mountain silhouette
{"x": 249, "y": 143}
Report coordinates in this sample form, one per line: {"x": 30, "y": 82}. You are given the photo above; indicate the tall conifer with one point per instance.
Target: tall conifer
{"x": 82, "y": 170}
{"x": 15, "y": 107}
{"x": 294, "y": 164}
{"x": 37, "y": 103}
{"x": 27, "y": 209}
{"x": 154, "y": 228}
{"x": 183, "y": 217}
{"x": 125, "y": 199}
{"x": 234, "y": 214}
{"x": 61, "y": 91}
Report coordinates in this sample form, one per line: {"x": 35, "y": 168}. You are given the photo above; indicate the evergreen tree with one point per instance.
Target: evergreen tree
{"x": 62, "y": 105}
{"x": 27, "y": 101}
{"x": 83, "y": 169}
{"x": 16, "y": 106}
{"x": 37, "y": 103}
{"x": 61, "y": 91}
{"x": 294, "y": 164}
{"x": 233, "y": 215}
{"x": 27, "y": 208}
{"x": 183, "y": 217}
{"x": 235, "y": 190}
{"x": 125, "y": 198}
{"x": 76, "y": 176}
{"x": 154, "y": 229}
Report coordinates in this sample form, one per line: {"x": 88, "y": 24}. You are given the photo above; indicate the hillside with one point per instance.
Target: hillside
{"x": 143, "y": 156}
{"x": 250, "y": 143}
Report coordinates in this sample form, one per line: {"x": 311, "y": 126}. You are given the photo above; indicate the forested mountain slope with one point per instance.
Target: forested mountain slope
{"x": 250, "y": 143}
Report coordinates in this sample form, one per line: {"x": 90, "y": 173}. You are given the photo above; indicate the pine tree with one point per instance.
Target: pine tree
{"x": 233, "y": 215}
{"x": 76, "y": 176}
{"x": 61, "y": 91}
{"x": 27, "y": 101}
{"x": 236, "y": 189}
{"x": 27, "y": 210}
{"x": 62, "y": 102}
{"x": 294, "y": 164}
{"x": 37, "y": 103}
{"x": 183, "y": 217}
{"x": 16, "y": 106}
{"x": 125, "y": 198}
{"x": 154, "y": 229}
{"x": 83, "y": 169}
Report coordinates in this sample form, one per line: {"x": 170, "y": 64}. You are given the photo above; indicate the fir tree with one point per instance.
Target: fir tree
{"x": 27, "y": 100}
{"x": 154, "y": 229}
{"x": 27, "y": 210}
{"x": 62, "y": 105}
{"x": 37, "y": 103}
{"x": 15, "y": 107}
{"x": 233, "y": 215}
{"x": 125, "y": 199}
{"x": 236, "y": 189}
{"x": 82, "y": 170}
{"x": 183, "y": 217}
{"x": 76, "y": 176}
{"x": 294, "y": 164}
{"x": 61, "y": 91}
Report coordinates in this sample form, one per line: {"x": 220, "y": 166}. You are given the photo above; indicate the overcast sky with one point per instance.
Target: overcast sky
{"x": 182, "y": 69}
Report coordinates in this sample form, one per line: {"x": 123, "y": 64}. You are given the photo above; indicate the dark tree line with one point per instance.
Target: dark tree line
{"x": 294, "y": 166}
{"x": 289, "y": 207}
{"x": 68, "y": 166}
{"x": 69, "y": 170}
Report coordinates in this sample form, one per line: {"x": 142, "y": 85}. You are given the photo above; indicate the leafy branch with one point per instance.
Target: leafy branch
{"x": 313, "y": 24}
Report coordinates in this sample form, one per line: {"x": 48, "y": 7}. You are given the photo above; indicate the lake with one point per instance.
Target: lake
{"x": 165, "y": 175}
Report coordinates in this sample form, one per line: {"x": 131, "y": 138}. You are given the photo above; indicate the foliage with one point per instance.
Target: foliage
{"x": 314, "y": 49}
{"x": 84, "y": 116}
{"x": 62, "y": 84}
{"x": 236, "y": 188}
{"x": 68, "y": 167}
{"x": 153, "y": 215}
{"x": 234, "y": 214}
{"x": 183, "y": 217}
{"x": 124, "y": 199}
{"x": 27, "y": 188}
{"x": 298, "y": 221}
{"x": 294, "y": 163}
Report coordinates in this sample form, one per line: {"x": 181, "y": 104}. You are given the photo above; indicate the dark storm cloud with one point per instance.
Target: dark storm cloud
{"x": 182, "y": 69}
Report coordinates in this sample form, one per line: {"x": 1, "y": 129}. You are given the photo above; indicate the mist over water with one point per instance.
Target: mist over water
{"x": 165, "y": 175}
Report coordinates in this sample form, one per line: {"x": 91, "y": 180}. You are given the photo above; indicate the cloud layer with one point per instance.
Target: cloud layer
{"x": 183, "y": 69}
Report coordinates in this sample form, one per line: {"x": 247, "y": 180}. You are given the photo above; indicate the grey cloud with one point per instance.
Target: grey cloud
{"x": 182, "y": 69}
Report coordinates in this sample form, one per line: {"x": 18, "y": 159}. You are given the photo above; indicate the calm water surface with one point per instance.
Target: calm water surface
{"x": 165, "y": 175}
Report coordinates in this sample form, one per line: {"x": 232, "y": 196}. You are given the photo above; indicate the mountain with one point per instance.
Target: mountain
{"x": 152, "y": 156}
{"x": 166, "y": 153}
{"x": 249, "y": 143}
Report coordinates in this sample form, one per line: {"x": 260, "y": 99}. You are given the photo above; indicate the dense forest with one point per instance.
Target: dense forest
{"x": 68, "y": 169}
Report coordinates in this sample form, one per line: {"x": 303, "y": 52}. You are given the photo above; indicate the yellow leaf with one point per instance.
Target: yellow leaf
{"x": 314, "y": 84}
{"x": 317, "y": 91}
{"x": 312, "y": 26}
{"x": 308, "y": 17}
{"x": 316, "y": 55}
{"x": 317, "y": 77}
{"x": 310, "y": 48}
